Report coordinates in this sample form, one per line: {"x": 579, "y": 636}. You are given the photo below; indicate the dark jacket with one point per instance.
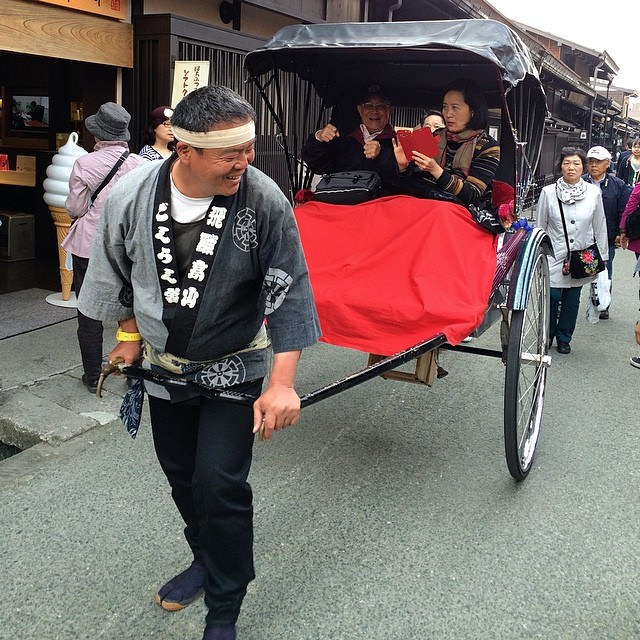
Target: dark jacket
{"x": 625, "y": 170}
{"x": 453, "y": 185}
{"x": 345, "y": 153}
{"x": 615, "y": 194}
{"x": 621, "y": 165}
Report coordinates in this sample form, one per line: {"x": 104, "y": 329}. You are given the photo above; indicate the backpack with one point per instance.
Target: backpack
{"x": 632, "y": 224}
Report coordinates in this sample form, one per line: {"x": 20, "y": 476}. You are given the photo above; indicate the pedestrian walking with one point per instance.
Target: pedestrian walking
{"x": 157, "y": 135}
{"x": 632, "y": 245}
{"x": 92, "y": 178}
{"x": 629, "y": 166}
{"x": 615, "y": 194}
{"x": 623, "y": 154}
{"x": 203, "y": 247}
{"x": 572, "y": 214}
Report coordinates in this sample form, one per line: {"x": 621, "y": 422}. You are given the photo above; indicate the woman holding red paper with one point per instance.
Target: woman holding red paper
{"x": 468, "y": 157}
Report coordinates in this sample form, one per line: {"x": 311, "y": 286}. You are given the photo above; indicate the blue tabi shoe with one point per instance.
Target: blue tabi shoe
{"x": 183, "y": 589}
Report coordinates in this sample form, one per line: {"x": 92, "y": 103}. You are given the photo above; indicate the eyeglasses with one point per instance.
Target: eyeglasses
{"x": 373, "y": 106}
{"x": 167, "y": 124}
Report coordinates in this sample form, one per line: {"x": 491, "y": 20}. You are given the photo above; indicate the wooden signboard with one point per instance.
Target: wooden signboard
{"x": 118, "y": 9}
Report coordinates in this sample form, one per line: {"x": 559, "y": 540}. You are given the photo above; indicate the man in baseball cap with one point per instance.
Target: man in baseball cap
{"x": 599, "y": 153}
{"x": 615, "y": 194}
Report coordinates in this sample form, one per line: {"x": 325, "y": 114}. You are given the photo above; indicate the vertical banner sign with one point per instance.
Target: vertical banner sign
{"x": 109, "y": 8}
{"x": 188, "y": 76}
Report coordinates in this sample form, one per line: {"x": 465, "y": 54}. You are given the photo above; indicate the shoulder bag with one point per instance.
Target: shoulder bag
{"x": 348, "y": 187}
{"x": 580, "y": 263}
{"x": 110, "y": 175}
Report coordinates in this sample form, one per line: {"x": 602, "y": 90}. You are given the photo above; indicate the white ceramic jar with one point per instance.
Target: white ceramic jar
{"x": 56, "y": 185}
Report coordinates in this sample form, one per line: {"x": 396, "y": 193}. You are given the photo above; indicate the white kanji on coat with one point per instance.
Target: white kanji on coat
{"x": 165, "y": 255}
{"x": 216, "y": 217}
{"x": 207, "y": 243}
{"x": 198, "y": 268}
{"x": 172, "y": 295}
{"x": 162, "y": 235}
{"x": 189, "y": 297}
{"x": 161, "y": 215}
{"x": 168, "y": 276}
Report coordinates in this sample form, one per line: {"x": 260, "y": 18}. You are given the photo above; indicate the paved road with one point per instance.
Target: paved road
{"x": 387, "y": 514}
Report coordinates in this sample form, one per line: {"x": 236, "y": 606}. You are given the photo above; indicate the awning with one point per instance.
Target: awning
{"x": 560, "y": 125}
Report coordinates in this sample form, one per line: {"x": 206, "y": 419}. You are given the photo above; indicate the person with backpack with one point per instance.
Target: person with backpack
{"x": 630, "y": 239}
{"x": 92, "y": 178}
{"x": 635, "y": 360}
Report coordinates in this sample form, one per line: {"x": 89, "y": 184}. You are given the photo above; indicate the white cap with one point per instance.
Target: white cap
{"x": 599, "y": 153}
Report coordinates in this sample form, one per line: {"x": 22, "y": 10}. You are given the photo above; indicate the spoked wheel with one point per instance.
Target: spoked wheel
{"x": 526, "y": 372}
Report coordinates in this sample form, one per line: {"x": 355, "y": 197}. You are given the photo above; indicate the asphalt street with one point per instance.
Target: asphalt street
{"x": 387, "y": 514}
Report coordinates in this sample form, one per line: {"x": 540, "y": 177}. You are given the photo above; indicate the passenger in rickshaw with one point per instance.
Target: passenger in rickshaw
{"x": 435, "y": 121}
{"x": 367, "y": 147}
{"x": 469, "y": 156}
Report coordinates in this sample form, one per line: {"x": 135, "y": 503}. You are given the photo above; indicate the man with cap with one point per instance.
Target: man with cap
{"x": 203, "y": 248}
{"x": 367, "y": 147}
{"x": 91, "y": 180}
{"x": 615, "y": 194}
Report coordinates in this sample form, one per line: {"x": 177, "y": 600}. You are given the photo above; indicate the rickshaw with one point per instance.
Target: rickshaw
{"x": 306, "y": 72}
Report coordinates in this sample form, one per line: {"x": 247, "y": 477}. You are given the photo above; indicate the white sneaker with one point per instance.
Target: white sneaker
{"x": 635, "y": 362}
{"x": 470, "y": 338}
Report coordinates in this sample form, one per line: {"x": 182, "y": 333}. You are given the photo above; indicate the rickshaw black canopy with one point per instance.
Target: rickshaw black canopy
{"x": 413, "y": 61}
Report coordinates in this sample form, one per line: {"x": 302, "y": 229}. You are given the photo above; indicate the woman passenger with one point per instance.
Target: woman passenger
{"x": 585, "y": 222}
{"x": 469, "y": 156}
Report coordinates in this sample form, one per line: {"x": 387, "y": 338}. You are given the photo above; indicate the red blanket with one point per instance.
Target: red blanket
{"x": 393, "y": 272}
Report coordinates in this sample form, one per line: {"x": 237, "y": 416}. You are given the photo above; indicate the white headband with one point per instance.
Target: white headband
{"x": 217, "y": 139}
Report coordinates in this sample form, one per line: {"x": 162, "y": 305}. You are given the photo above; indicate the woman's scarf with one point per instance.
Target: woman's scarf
{"x": 359, "y": 135}
{"x": 464, "y": 154}
{"x": 569, "y": 193}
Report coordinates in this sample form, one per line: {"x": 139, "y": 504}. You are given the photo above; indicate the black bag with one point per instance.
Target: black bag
{"x": 487, "y": 218}
{"x": 632, "y": 225}
{"x": 348, "y": 187}
{"x": 580, "y": 263}
{"x": 585, "y": 263}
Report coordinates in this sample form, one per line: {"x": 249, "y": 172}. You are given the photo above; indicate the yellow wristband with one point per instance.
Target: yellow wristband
{"x": 123, "y": 336}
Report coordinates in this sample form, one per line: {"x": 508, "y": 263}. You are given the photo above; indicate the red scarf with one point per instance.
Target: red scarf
{"x": 387, "y": 133}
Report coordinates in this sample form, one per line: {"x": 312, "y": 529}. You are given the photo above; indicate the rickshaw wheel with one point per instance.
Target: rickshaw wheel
{"x": 526, "y": 372}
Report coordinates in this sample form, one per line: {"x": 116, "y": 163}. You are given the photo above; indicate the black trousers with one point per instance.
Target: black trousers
{"x": 89, "y": 330}
{"x": 204, "y": 447}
